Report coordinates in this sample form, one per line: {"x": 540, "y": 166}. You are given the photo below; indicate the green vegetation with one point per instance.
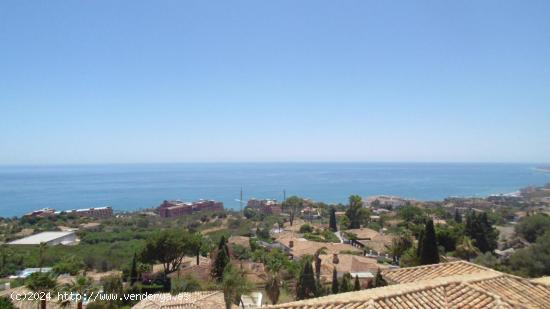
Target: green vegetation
{"x": 41, "y": 283}
{"x": 428, "y": 249}
{"x": 5, "y": 303}
{"x": 307, "y": 287}
{"x": 234, "y": 284}
{"x": 532, "y": 227}
{"x": 221, "y": 259}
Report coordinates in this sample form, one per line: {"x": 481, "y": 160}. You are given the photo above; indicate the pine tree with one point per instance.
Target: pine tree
{"x": 306, "y": 288}
{"x": 458, "y": 217}
{"x": 332, "y": 222}
{"x": 379, "y": 280}
{"x": 221, "y": 260}
{"x": 429, "y": 253}
{"x": 133, "y": 271}
{"x": 357, "y": 284}
{"x": 334, "y": 281}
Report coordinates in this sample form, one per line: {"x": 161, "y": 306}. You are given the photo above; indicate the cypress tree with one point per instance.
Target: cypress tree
{"x": 133, "y": 271}
{"x": 332, "y": 222}
{"x": 221, "y": 260}
{"x": 334, "y": 281}
{"x": 420, "y": 243}
{"x": 458, "y": 217}
{"x": 306, "y": 288}
{"x": 429, "y": 253}
{"x": 357, "y": 284}
{"x": 379, "y": 280}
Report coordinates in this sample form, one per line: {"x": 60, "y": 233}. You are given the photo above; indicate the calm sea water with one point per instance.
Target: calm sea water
{"x": 130, "y": 187}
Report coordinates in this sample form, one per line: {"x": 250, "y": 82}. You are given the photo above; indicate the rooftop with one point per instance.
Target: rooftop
{"x": 483, "y": 289}
{"x": 43, "y": 237}
{"x": 426, "y": 272}
{"x": 201, "y": 299}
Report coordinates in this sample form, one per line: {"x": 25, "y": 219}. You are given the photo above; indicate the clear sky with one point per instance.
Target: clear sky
{"x": 175, "y": 81}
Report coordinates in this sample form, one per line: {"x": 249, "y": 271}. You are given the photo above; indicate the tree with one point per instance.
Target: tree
{"x": 458, "y": 217}
{"x": 379, "y": 280}
{"x": 42, "y": 283}
{"x": 479, "y": 229}
{"x": 334, "y": 281}
{"x": 186, "y": 284}
{"x": 69, "y": 265}
{"x": 197, "y": 246}
{"x": 167, "y": 247}
{"x": 80, "y": 286}
{"x": 133, "y": 271}
{"x": 275, "y": 261}
{"x": 332, "y": 221}
{"x": 429, "y": 253}
{"x": 6, "y": 303}
{"x": 221, "y": 260}
{"x": 41, "y": 254}
{"x": 344, "y": 223}
{"x": 420, "y": 244}
{"x": 234, "y": 284}
{"x": 487, "y": 259}
{"x": 399, "y": 245}
{"x": 466, "y": 249}
{"x": 353, "y": 213}
{"x": 533, "y": 261}
{"x": 448, "y": 235}
{"x": 318, "y": 261}
{"x": 306, "y": 287}
{"x": 292, "y": 205}
{"x": 272, "y": 289}
{"x": 306, "y": 228}
{"x": 411, "y": 214}
{"x": 533, "y": 226}
{"x": 112, "y": 284}
{"x": 345, "y": 285}
{"x": 356, "y": 284}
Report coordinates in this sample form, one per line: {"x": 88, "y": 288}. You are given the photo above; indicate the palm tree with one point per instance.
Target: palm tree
{"x": 466, "y": 249}
{"x": 272, "y": 288}
{"x": 42, "y": 283}
{"x": 82, "y": 286}
{"x": 41, "y": 253}
{"x": 234, "y": 284}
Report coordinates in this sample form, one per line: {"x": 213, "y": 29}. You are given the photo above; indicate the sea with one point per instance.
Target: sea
{"x": 128, "y": 187}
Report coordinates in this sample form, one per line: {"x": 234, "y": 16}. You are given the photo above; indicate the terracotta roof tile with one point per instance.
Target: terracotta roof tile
{"x": 426, "y": 272}
{"x": 190, "y": 300}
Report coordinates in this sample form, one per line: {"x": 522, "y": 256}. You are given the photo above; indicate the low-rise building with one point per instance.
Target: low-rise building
{"x": 267, "y": 206}
{"x": 97, "y": 212}
{"x": 385, "y": 201}
{"x": 171, "y": 209}
{"x": 48, "y": 238}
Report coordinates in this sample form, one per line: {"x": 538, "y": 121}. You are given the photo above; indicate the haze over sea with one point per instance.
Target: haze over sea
{"x": 137, "y": 186}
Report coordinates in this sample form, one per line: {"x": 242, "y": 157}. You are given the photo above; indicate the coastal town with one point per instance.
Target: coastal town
{"x": 372, "y": 252}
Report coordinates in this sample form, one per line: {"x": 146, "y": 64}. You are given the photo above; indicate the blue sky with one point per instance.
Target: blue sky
{"x": 174, "y": 81}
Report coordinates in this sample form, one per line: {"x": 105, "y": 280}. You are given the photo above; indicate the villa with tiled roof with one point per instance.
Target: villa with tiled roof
{"x": 448, "y": 285}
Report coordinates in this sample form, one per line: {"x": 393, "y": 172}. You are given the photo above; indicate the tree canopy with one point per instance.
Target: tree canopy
{"x": 429, "y": 253}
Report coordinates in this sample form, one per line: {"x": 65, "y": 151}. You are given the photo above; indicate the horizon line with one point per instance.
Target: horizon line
{"x": 273, "y": 162}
